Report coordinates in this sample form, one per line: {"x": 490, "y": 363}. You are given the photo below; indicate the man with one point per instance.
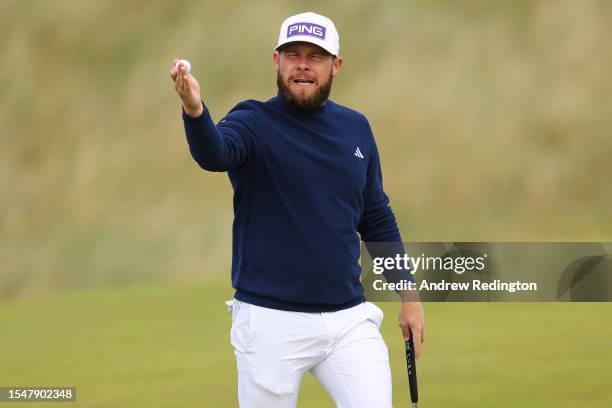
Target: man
{"x": 306, "y": 177}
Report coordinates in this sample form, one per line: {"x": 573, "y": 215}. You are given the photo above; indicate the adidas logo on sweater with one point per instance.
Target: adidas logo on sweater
{"x": 358, "y": 153}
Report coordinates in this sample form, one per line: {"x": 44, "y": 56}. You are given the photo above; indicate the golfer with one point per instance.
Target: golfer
{"x": 307, "y": 187}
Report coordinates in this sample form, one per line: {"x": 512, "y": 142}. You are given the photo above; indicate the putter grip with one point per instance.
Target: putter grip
{"x": 412, "y": 375}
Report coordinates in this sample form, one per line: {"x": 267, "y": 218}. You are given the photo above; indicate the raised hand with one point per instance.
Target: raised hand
{"x": 188, "y": 89}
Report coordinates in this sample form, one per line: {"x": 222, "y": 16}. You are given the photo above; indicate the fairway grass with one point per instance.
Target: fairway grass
{"x": 167, "y": 345}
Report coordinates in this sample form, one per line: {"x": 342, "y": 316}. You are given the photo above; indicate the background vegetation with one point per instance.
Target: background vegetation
{"x": 493, "y": 122}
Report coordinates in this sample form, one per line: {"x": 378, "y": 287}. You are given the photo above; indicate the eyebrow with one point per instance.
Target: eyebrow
{"x": 314, "y": 51}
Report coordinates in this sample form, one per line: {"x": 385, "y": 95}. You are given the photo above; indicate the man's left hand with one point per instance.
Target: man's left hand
{"x": 412, "y": 319}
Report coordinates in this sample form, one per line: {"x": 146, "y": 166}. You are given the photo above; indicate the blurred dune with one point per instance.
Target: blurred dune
{"x": 493, "y": 120}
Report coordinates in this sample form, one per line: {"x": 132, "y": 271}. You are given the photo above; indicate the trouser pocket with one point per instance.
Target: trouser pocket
{"x": 375, "y": 313}
{"x": 240, "y": 332}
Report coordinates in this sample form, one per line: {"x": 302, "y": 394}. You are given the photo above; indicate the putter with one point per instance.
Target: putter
{"x": 412, "y": 376}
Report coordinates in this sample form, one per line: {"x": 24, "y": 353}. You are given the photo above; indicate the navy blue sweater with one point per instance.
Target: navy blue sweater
{"x": 305, "y": 184}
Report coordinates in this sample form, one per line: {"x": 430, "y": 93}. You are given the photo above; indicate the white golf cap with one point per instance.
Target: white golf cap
{"x": 312, "y": 28}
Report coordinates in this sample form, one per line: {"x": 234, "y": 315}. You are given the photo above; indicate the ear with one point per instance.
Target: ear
{"x": 276, "y": 59}
{"x": 337, "y": 64}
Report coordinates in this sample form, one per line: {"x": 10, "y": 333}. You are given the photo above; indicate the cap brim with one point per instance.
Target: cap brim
{"x": 306, "y": 39}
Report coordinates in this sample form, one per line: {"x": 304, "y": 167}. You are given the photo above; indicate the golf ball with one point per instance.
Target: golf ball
{"x": 185, "y": 63}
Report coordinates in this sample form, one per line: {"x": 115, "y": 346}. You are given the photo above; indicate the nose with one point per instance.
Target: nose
{"x": 303, "y": 64}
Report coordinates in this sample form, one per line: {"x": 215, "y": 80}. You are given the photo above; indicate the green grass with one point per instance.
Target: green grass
{"x": 493, "y": 123}
{"x": 160, "y": 345}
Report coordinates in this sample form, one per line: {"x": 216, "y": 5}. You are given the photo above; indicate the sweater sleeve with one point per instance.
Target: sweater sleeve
{"x": 378, "y": 224}
{"x": 219, "y": 147}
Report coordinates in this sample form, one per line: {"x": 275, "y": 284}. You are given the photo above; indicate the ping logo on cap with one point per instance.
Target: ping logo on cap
{"x": 311, "y": 29}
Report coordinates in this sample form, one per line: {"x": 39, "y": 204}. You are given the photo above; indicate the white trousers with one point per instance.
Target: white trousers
{"x": 343, "y": 350}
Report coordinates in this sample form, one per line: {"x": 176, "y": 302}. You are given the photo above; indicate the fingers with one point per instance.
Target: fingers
{"x": 187, "y": 81}
{"x": 176, "y": 70}
{"x": 173, "y": 70}
{"x": 405, "y": 331}
{"x": 187, "y": 88}
{"x": 417, "y": 341}
{"x": 183, "y": 81}
{"x": 180, "y": 80}
{"x": 412, "y": 322}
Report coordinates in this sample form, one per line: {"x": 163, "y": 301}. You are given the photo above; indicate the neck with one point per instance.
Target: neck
{"x": 290, "y": 105}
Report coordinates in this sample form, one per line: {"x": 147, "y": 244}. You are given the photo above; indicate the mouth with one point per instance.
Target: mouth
{"x": 302, "y": 81}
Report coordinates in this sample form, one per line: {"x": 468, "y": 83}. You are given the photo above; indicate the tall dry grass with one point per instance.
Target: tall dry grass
{"x": 493, "y": 121}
